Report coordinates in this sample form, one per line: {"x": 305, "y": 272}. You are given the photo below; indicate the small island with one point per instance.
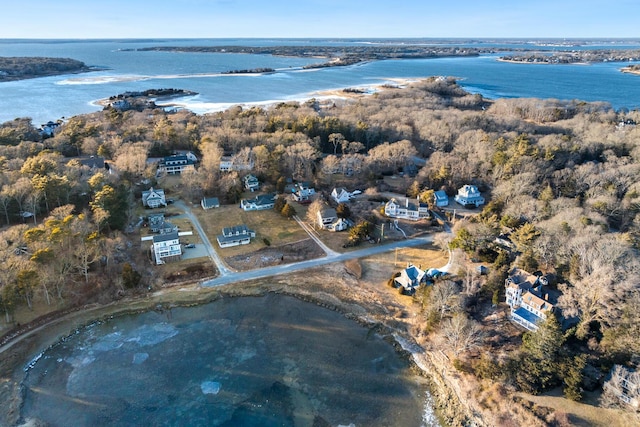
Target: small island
{"x": 19, "y": 68}
{"x": 141, "y": 100}
{"x": 251, "y": 71}
{"x": 631, "y": 69}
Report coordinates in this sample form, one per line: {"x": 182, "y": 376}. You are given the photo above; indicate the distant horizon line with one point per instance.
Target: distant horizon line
{"x": 10, "y": 39}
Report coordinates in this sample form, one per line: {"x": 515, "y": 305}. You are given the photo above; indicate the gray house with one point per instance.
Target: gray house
{"x": 153, "y": 198}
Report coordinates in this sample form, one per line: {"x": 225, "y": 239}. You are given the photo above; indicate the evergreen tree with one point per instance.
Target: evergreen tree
{"x": 113, "y": 201}
{"x": 130, "y": 277}
{"x": 279, "y": 204}
{"x": 281, "y": 184}
{"x": 573, "y": 374}
{"x": 540, "y": 363}
{"x": 288, "y": 211}
{"x": 343, "y": 211}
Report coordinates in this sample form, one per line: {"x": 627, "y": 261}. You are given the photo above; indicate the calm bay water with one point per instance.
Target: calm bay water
{"x": 50, "y": 98}
{"x": 259, "y": 361}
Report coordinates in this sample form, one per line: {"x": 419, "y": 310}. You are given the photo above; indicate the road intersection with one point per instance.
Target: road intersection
{"x": 227, "y": 275}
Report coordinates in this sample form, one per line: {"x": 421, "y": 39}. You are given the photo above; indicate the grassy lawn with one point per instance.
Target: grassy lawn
{"x": 267, "y": 224}
{"x": 581, "y": 414}
{"x": 382, "y": 266}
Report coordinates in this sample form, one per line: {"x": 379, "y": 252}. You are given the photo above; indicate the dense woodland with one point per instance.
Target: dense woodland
{"x": 561, "y": 177}
{"x": 15, "y": 68}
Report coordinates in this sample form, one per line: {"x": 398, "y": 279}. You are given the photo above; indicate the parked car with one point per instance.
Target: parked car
{"x": 190, "y": 245}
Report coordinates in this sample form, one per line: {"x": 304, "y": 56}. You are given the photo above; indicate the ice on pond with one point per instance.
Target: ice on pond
{"x": 210, "y": 387}
{"x": 81, "y": 360}
{"x": 139, "y": 358}
{"x": 153, "y": 334}
{"x": 109, "y": 342}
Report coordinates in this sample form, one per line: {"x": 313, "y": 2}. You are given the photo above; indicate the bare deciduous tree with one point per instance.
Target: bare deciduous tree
{"x": 461, "y": 334}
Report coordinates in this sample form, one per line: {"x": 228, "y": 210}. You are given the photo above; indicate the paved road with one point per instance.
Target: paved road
{"x": 288, "y": 268}
{"x": 229, "y": 276}
{"x": 221, "y": 266}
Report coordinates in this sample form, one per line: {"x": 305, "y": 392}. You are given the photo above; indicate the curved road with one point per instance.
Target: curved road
{"x": 229, "y": 276}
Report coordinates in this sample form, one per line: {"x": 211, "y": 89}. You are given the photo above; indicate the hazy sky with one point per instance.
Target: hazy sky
{"x": 319, "y": 18}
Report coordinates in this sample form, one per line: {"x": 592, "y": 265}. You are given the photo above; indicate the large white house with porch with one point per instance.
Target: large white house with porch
{"x": 258, "y": 203}
{"x": 527, "y": 298}
{"x": 408, "y": 210}
{"x": 468, "y": 195}
{"x": 176, "y": 164}
{"x": 234, "y": 236}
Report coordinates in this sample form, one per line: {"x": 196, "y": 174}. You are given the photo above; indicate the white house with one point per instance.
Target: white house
{"x": 234, "y": 236}
{"x": 440, "y": 198}
{"x": 340, "y": 224}
{"x": 166, "y": 247}
{"x": 413, "y": 211}
{"x": 302, "y": 192}
{"x": 468, "y": 195}
{"x": 175, "y": 164}
{"x": 409, "y": 279}
{"x": 258, "y": 203}
{"x": 624, "y": 384}
{"x": 326, "y": 217}
{"x": 228, "y": 164}
{"x": 251, "y": 183}
{"x": 153, "y": 198}
{"x": 340, "y": 195}
{"x": 525, "y": 295}
{"x": 210, "y": 203}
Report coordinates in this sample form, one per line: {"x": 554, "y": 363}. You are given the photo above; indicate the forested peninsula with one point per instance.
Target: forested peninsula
{"x": 561, "y": 186}
{"x": 338, "y": 55}
{"x": 18, "y": 68}
{"x": 575, "y": 56}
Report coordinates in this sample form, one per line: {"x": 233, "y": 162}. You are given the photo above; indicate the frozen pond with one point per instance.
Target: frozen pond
{"x": 251, "y": 361}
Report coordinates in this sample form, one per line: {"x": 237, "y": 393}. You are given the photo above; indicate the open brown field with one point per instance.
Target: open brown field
{"x": 267, "y": 224}
{"x": 584, "y": 414}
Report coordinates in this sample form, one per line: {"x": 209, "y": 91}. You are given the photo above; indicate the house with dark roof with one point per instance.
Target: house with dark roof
{"x": 158, "y": 224}
{"x": 528, "y": 299}
{"x": 326, "y": 217}
{"x": 210, "y": 203}
{"x": 166, "y": 247}
{"x": 175, "y": 164}
{"x": 258, "y": 203}
{"x": 234, "y": 236}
